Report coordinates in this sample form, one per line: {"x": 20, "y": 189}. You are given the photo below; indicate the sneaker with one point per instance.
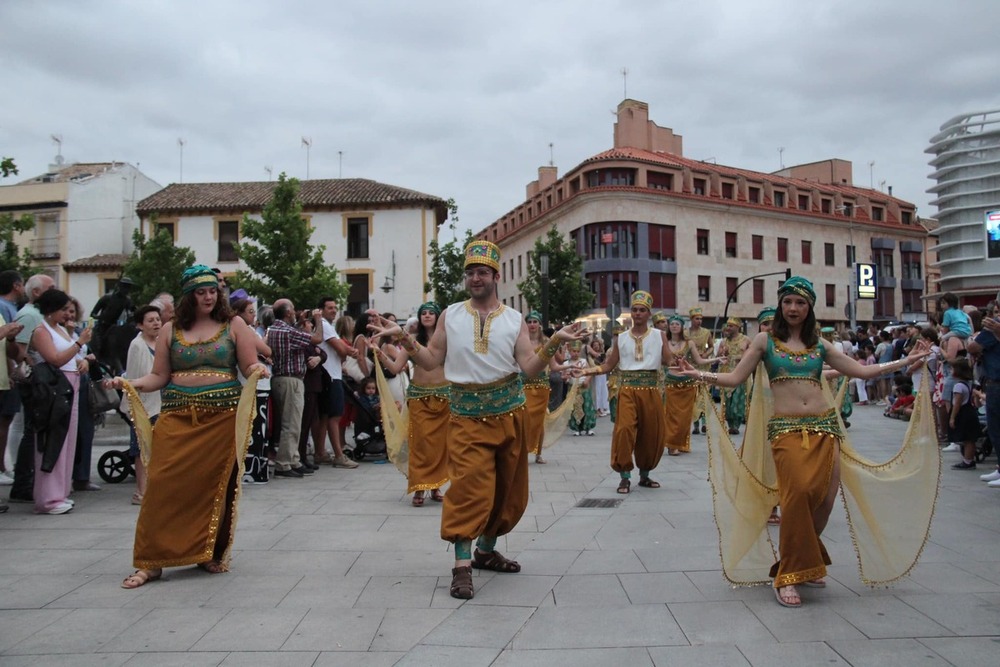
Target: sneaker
{"x": 288, "y": 473}
{"x": 61, "y": 508}
{"x": 995, "y": 484}
{"x": 344, "y": 462}
{"x": 990, "y": 476}
{"x": 964, "y": 465}
{"x": 590, "y": 433}
{"x": 304, "y": 470}
{"x": 6, "y": 479}
{"x": 952, "y": 447}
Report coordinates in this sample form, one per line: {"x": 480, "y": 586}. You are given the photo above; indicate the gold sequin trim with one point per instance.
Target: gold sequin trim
{"x": 481, "y": 329}
{"x": 638, "y": 343}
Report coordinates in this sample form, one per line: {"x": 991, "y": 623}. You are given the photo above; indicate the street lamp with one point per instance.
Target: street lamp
{"x": 732, "y": 295}
{"x": 543, "y": 268}
{"x": 390, "y": 280}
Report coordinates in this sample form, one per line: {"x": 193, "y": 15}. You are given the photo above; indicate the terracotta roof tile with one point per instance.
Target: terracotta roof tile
{"x": 96, "y": 263}
{"x": 74, "y": 172}
{"x": 341, "y": 193}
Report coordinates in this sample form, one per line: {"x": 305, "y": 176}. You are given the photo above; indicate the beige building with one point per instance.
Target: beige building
{"x": 643, "y": 216}
{"x": 373, "y": 232}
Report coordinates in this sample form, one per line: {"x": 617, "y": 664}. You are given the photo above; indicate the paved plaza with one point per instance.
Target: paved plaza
{"x": 339, "y": 569}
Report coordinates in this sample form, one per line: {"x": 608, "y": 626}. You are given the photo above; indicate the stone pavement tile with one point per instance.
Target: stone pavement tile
{"x": 37, "y": 591}
{"x": 354, "y": 659}
{"x": 268, "y": 590}
{"x": 965, "y": 651}
{"x": 402, "y": 629}
{"x": 397, "y": 592}
{"x": 964, "y": 614}
{"x": 335, "y": 630}
{"x": 268, "y": 658}
{"x": 105, "y": 591}
{"x": 257, "y": 539}
{"x": 989, "y": 570}
{"x": 887, "y": 653}
{"x": 607, "y": 562}
{"x": 718, "y": 622}
{"x": 328, "y": 563}
{"x": 408, "y": 563}
{"x": 359, "y": 522}
{"x": 317, "y": 591}
{"x": 561, "y": 540}
{"x": 539, "y": 561}
{"x": 584, "y": 657}
{"x": 597, "y": 591}
{"x": 519, "y": 590}
{"x": 814, "y": 622}
{"x": 847, "y": 576}
{"x": 886, "y": 617}
{"x": 761, "y": 654}
{"x": 941, "y": 578}
{"x": 714, "y": 587}
{"x": 18, "y": 624}
{"x": 540, "y": 509}
{"x": 479, "y": 626}
{"x": 700, "y": 519}
{"x": 448, "y": 656}
{"x": 428, "y": 524}
{"x": 705, "y": 655}
{"x": 57, "y": 561}
{"x": 599, "y": 627}
{"x": 178, "y": 659}
{"x": 56, "y": 533}
{"x": 70, "y": 660}
{"x": 680, "y": 557}
{"x": 179, "y": 588}
{"x": 80, "y": 631}
{"x": 634, "y": 530}
{"x": 562, "y": 486}
{"x": 529, "y": 524}
{"x": 251, "y": 630}
{"x": 442, "y": 594}
{"x": 659, "y": 588}
{"x": 165, "y": 630}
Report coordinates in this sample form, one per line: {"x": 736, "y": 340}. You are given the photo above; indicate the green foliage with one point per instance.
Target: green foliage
{"x": 568, "y": 296}
{"x": 447, "y": 274}
{"x": 156, "y": 265}
{"x": 12, "y": 257}
{"x": 279, "y": 258}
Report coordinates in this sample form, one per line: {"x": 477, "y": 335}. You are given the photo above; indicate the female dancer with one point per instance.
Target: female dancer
{"x": 188, "y": 514}
{"x": 680, "y": 392}
{"x": 427, "y": 403}
{"x": 804, "y": 431}
{"x": 537, "y": 389}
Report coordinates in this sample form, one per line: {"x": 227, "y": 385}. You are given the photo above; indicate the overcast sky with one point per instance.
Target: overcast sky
{"x": 461, "y": 99}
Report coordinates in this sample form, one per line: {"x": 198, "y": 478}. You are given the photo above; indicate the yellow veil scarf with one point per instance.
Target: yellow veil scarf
{"x": 557, "y": 420}
{"x": 395, "y": 424}
{"x": 889, "y": 505}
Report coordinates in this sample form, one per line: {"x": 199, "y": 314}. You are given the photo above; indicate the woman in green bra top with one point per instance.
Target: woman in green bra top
{"x": 195, "y": 459}
{"x": 804, "y": 432}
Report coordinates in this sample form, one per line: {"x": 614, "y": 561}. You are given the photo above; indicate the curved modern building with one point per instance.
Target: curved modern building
{"x": 967, "y": 170}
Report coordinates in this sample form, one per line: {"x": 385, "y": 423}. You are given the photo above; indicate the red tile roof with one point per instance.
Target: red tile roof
{"x": 74, "y": 172}
{"x": 111, "y": 261}
{"x": 338, "y": 193}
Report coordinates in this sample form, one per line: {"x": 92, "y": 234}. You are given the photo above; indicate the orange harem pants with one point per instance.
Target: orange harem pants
{"x": 536, "y": 403}
{"x": 639, "y": 429}
{"x": 428, "y": 438}
{"x": 488, "y": 466}
{"x": 188, "y": 514}
{"x": 678, "y": 406}
{"x": 804, "y": 470}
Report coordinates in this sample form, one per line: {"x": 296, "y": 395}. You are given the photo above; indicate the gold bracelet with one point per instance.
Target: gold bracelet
{"x": 548, "y": 351}
{"x": 410, "y": 345}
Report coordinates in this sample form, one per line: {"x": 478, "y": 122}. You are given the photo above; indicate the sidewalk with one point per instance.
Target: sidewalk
{"x": 339, "y": 569}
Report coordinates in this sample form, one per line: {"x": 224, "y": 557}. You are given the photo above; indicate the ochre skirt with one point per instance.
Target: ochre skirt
{"x": 536, "y": 403}
{"x": 428, "y": 438}
{"x": 678, "y": 412}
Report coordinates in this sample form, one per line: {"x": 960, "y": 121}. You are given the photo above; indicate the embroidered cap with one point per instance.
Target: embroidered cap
{"x": 533, "y": 315}
{"x": 197, "y": 276}
{"x": 676, "y": 318}
{"x": 766, "y": 315}
{"x": 482, "y": 252}
{"x": 431, "y": 306}
{"x": 659, "y": 317}
{"x": 642, "y": 298}
{"x": 800, "y": 286}
{"x": 695, "y": 312}
{"x": 734, "y": 321}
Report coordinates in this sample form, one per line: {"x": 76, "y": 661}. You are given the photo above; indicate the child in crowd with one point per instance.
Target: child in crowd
{"x": 963, "y": 420}
{"x": 902, "y": 407}
{"x": 370, "y": 399}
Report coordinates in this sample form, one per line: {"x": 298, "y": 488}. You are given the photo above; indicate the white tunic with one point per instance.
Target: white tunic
{"x": 480, "y": 357}
{"x": 651, "y": 346}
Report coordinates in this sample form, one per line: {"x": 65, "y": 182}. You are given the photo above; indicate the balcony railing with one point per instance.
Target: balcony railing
{"x": 45, "y": 247}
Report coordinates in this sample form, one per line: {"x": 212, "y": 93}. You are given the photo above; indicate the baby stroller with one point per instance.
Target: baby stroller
{"x": 369, "y": 441}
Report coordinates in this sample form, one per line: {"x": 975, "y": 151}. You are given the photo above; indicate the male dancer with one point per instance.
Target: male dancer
{"x": 483, "y": 346}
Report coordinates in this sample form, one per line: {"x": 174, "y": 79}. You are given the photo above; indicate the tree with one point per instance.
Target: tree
{"x": 12, "y": 257}
{"x": 279, "y": 258}
{"x": 447, "y": 274}
{"x": 156, "y": 264}
{"x": 568, "y": 296}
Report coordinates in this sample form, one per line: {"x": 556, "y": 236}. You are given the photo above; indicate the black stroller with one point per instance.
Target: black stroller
{"x": 369, "y": 441}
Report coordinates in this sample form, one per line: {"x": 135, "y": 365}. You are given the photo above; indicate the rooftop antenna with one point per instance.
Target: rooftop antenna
{"x": 871, "y": 174}
{"x": 340, "y": 164}
{"x": 781, "y": 162}
{"x": 881, "y": 186}
{"x": 57, "y": 140}
{"x": 269, "y": 170}
{"x": 180, "y": 147}
{"x": 552, "y": 155}
{"x": 624, "y": 73}
{"x": 307, "y": 142}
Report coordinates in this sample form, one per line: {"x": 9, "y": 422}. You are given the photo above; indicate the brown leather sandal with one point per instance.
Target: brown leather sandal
{"x": 494, "y": 560}
{"x": 141, "y": 578}
{"x": 461, "y": 583}
{"x": 437, "y": 496}
{"x": 624, "y": 486}
{"x": 648, "y": 483}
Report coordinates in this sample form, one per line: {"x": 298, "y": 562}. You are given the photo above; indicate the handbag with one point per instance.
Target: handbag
{"x": 101, "y": 398}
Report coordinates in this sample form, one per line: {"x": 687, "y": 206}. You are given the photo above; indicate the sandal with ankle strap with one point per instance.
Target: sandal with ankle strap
{"x": 461, "y": 583}
{"x": 141, "y": 577}
{"x": 494, "y": 560}
{"x": 624, "y": 486}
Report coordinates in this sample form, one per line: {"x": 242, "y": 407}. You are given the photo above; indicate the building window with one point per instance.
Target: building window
{"x": 883, "y": 259}
{"x": 807, "y": 252}
{"x": 727, "y": 191}
{"x": 704, "y": 291}
{"x": 782, "y": 250}
{"x": 731, "y": 244}
{"x": 876, "y": 213}
{"x": 171, "y": 228}
{"x": 657, "y": 180}
{"x": 661, "y": 242}
{"x": 850, "y": 252}
{"x": 758, "y": 290}
{"x": 731, "y": 289}
{"x": 663, "y": 287}
{"x": 885, "y": 304}
{"x": 829, "y": 254}
{"x": 228, "y": 234}
{"x": 907, "y": 218}
{"x": 503, "y": 268}
{"x": 757, "y": 243}
{"x": 779, "y": 199}
{"x": 826, "y": 205}
{"x": 357, "y": 293}
{"x": 702, "y": 241}
{"x": 357, "y": 238}
{"x": 803, "y": 202}
{"x": 911, "y": 266}
{"x": 609, "y": 240}
{"x": 831, "y": 295}
{"x": 699, "y": 186}
{"x": 753, "y": 195}
{"x": 519, "y": 267}
{"x": 848, "y": 209}
{"x": 911, "y": 301}
{"x": 599, "y": 177}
